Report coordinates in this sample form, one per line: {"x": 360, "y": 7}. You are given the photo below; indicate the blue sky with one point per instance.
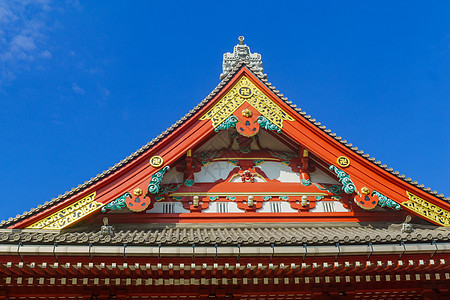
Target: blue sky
{"x": 84, "y": 84}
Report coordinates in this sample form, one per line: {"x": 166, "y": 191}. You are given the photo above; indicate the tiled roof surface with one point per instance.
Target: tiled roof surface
{"x": 86, "y": 184}
{"x": 231, "y": 234}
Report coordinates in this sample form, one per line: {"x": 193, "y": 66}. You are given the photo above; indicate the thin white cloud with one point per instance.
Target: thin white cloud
{"x": 24, "y": 27}
{"x": 77, "y": 89}
{"x": 46, "y": 54}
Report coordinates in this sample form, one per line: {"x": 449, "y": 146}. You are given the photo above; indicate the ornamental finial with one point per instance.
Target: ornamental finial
{"x": 241, "y": 52}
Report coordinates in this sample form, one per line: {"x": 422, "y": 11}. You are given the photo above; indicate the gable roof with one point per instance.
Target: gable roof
{"x": 241, "y": 64}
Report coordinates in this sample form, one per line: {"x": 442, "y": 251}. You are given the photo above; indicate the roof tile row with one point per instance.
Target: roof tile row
{"x": 233, "y": 235}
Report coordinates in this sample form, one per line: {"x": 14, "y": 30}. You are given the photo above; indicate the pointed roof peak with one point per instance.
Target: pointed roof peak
{"x": 241, "y": 52}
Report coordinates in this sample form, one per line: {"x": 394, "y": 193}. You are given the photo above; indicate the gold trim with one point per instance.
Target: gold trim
{"x": 70, "y": 214}
{"x": 428, "y": 210}
{"x": 233, "y": 100}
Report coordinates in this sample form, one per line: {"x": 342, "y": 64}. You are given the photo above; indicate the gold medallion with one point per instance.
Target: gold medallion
{"x": 137, "y": 192}
{"x": 156, "y": 161}
{"x": 247, "y": 113}
{"x": 343, "y": 161}
{"x": 245, "y": 92}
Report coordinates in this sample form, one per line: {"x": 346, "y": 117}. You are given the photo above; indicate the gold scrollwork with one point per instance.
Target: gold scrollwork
{"x": 69, "y": 214}
{"x": 428, "y": 210}
{"x": 245, "y": 91}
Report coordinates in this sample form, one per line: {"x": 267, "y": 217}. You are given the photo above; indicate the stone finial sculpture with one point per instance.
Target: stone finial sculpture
{"x": 241, "y": 52}
{"x": 106, "y": 229}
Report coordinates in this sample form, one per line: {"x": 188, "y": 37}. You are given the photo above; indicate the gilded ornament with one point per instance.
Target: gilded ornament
{"x": 365, "y": 190}
{"x": 247, "y": 113}
{"x": 237, "y": 96}
{"x": 70, "y": 214}
{"x": 343, "y": 161}
{"x": 245, "y": 92}
{"x": 195, "y": 201}
{"x": 137, "y": 192}
{"x": 428, "y": 210}
{"x": 156, "y": 161}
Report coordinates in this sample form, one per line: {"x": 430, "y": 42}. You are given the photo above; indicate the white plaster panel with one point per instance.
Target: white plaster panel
{"x": 329, "y": 206}
{"x": 268, "y": 141}
{"x": 276, "y": 170}
{"x": 339, "y": 207}
{"x": 158, "y": 208}
{"x": 214, "y": 171}
{"x": 220, "y": 141}
{"x": 231, "y": 207}
{"x": 320, "y": 176}
{"x": 318, "y": 208}
{"x": 173, "y": 176}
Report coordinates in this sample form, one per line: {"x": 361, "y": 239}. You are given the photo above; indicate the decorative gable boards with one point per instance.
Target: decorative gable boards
{"x": 244, "y": 154}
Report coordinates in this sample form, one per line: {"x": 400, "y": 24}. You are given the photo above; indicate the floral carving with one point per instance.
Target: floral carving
{"x": 347, "y": 184}
{"x": 118, "y": 204}
{"x": 153, "y": 186}
{"x": 385, "y": 201}
{"x": 266, "y": 124}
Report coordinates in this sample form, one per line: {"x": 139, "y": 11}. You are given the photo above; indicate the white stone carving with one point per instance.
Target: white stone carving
{"x": 241, "y": 52}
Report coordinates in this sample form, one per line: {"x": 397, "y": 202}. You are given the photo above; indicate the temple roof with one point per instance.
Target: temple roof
{"x": 238, "y": 65}
{"x": 233, "y": 234}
